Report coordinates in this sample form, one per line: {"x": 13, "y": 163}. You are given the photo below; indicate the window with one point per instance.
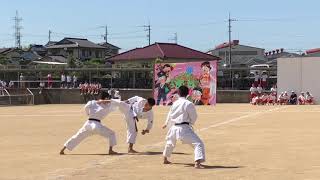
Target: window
{"x": 97, "y": 54}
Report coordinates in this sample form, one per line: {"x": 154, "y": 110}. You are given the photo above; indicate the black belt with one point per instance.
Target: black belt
{"x": 177, "y": 124}
{"x": 91, "y": 119}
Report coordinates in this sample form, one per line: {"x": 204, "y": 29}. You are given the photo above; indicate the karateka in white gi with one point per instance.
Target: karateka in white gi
{"x": 134, "y": 109}
{"x": 96, "y": 111}
{"x": 181, "y": 116}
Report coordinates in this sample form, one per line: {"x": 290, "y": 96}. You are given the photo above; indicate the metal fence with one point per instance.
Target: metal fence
{"x": 141, "y": 78}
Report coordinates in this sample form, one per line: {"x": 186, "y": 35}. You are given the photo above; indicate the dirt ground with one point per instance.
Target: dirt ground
{"x": 241, "y": 142}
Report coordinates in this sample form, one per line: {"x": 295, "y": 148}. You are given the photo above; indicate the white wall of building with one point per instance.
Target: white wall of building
{"x": 299, "y": 74}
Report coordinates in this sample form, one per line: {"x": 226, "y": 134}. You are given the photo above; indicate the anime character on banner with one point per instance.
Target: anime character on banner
{"x": 207, "y": 83}
{"x": 199, "y": 77}
{"x": 163, "y": 83}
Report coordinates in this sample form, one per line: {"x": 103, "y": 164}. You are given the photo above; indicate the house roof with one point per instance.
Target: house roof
{"x": 50, "y": 43}
{"x": 75, "y": 43}
{"x": 164, "y": 51}
{"x": 105, "y": 44}
{"x": 61, "y": 59}
{"x": 5, "y": 50}
{"x": 311, "y": 51}
{"x": 233, "y": 44}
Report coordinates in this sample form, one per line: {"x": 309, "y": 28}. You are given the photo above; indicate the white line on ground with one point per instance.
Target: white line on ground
{"x": 241, "y": 117}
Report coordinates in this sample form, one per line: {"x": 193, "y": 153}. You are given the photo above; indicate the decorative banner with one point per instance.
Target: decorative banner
{"x": 199, "y": 77}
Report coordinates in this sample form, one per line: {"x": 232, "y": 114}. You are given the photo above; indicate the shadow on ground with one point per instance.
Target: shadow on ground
{"x": 119, "y": 154}
{"x": 148, "y": 153}
{"x": 151, "y": 153}
{"x": 208, "y": 166}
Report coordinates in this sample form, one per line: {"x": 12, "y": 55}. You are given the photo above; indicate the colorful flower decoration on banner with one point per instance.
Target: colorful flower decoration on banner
{"x": 189, "y": 70}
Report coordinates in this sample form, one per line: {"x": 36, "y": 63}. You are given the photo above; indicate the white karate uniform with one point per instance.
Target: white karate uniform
{"x": 181, "y": 111}
{"x": 134, "y": 108}
{"x": 90, "y": 127}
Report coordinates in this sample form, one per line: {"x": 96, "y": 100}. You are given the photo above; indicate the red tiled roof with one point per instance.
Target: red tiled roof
{"x": 164, "y": 51}
{"x": 226, "y": 44}
{"x": 310, "y": 51}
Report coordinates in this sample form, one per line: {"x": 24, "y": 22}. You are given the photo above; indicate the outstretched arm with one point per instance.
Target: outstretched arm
{"x": 167, "y": 120}
{"x": 150, "y": 123}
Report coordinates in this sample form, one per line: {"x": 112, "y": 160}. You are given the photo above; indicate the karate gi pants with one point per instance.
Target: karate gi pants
{"x": 88, "y": 129}
{"x": 132, "y": 130}
{"x": 186, "y": 134}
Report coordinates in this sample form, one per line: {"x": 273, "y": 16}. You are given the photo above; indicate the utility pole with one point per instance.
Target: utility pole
{"x": 17, "y": 27}
{"x": 50, "y": 35}
{"x": 230, "y": 49}
{"x": 148, "y": 29}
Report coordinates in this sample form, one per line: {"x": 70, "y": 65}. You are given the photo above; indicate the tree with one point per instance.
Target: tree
{"x": 95, "y": 61}
{"x": 4, "y": 60}
{"x": 71, "y": 62}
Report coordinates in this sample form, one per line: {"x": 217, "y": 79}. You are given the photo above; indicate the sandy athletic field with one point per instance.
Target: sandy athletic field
{"x": 242, "y": 142}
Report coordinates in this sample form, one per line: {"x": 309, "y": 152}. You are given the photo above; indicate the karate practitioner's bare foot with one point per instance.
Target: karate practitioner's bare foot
{"x": 113, "y": 152}
{"x": 198, "y": 165}
{"x": 132, "y": 151}
{"x": 165, "y": 161}
{"x": 62, "y": 151}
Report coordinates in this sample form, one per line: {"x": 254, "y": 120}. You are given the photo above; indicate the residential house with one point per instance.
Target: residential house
{"x": 111, "y": 50}
{"x": 19, "y": 56}
{"x": 241, "y": 55}
{"x": 82, "y": 49}
{"x": 38, "y": 49}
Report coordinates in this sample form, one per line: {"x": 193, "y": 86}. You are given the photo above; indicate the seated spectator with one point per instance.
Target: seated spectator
{"x": 301, "y": 99}
{"x": 285, "y": 98}
{"x": 256, "y": 100}
{"x": 81, "y": 87}
{"x": 274, "y": 89}
{"x": 293, "y": 98}
{"x": 272, "y": 98}
{"x": 259, "y": 89}
{"x": 309, "y": 98}
{"x": 264, "y": 99}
